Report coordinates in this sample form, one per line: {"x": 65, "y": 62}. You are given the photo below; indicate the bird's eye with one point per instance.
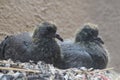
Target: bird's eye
{"x": 92, "y": 32}
{"x": 49, "y": 28}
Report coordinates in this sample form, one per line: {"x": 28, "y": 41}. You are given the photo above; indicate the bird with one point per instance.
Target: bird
{"x": 89, "y": 39}
{"x": 86, "y": 50}
{"x": 41, "y": 46}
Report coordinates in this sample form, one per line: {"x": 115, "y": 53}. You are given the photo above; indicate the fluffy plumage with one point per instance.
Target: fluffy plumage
{"x": 88, "y": 39}
{"x": 41, "y": 46}
{"x": 86, "y": 51}
{"x": 74, "y": 56}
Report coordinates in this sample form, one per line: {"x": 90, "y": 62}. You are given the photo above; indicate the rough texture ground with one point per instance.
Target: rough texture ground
{"x": 22, "y": 15}
{"x": 42, "y": 71}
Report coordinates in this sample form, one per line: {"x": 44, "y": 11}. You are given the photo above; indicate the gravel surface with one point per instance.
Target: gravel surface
{"x": 42, "y": 71}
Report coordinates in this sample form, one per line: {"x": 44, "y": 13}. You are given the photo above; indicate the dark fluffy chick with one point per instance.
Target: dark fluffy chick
{"x": 41, "y": 46}
{"x": 88, "y": 39}
{"x": 86, "y": 51}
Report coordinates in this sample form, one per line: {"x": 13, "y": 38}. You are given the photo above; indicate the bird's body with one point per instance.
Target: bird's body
{"x": 16, "y": 47}
{"x": 41, "y": 46}
{"x": 75, "y": 56}
{"x": 49, "y": 50}
{"x": 98, "y": 54}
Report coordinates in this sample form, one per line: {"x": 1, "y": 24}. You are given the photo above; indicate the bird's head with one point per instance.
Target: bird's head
{"x": 88, "y": 33}
{"x": 46, "y": 30}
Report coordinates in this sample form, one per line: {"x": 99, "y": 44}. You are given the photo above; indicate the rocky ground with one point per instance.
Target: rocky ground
{"x": 69, "y": 15}
{"x": 42, "y": 71}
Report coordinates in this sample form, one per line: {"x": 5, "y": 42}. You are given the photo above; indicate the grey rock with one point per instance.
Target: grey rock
{"x": 7, "y": 77}
{"x": 41, "y": 46}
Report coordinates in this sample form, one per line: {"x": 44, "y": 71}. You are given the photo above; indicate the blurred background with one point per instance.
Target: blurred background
{"x": 18, "y": 16}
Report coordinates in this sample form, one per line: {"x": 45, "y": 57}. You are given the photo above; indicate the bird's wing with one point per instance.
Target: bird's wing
{"x": 15, "y": 45}
{"x": 99, "y": 55}
{"x": 75, "y": 56}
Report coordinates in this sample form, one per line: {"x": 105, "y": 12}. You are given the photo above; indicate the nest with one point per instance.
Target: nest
{"x": 10, "y": 70}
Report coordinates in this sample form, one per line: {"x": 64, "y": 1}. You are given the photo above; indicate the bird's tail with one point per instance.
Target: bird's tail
{"x": 3, "y": 46}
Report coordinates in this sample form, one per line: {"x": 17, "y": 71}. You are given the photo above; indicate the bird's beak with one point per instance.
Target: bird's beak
{"x": 99, "y": 39}
{"x": 58, "y": 37}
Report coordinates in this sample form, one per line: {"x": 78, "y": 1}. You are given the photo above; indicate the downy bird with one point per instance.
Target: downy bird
{"x": 42, "y": 46}
{"x": 89, "y": 39}
{"x": 86, "y": 51}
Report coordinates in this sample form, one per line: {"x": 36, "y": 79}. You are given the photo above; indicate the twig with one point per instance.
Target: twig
{"x": 17, "y": 69}
{"x": 102, "y": 70}
{"x": 6, "y": 62}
